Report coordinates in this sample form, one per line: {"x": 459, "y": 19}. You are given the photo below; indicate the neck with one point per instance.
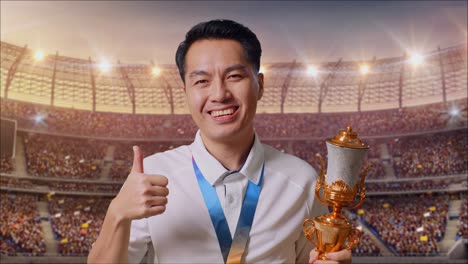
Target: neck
{"x": 231, "y": 154}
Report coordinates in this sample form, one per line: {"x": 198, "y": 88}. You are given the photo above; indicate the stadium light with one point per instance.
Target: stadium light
{"x": 312, "y": 70}
{"x": 38, "y": 55}
{"x": 262, "y": 69}
{"x": 454, "y": 112}
{"x": 364, "y": 69}
{"x": 416, "y": 59}
{"x": 104, "y": 66}
{"x": 155, "y": 71}
{"x": 38, "y": 118}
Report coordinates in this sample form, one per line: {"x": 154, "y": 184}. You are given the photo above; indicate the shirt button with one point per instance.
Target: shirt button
{"x": 230, "y": 199}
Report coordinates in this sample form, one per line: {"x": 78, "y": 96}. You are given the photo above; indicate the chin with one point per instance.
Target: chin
{"x": 222, "y": 134}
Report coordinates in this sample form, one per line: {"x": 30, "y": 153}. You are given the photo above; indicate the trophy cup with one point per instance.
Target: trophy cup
{"x": 340, "y": 184}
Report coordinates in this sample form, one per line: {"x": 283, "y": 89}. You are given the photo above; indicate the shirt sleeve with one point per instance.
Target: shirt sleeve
{"x": 140, "y": 238}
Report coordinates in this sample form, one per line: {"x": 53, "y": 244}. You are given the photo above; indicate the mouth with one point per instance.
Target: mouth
{"x": 223, "y": 114}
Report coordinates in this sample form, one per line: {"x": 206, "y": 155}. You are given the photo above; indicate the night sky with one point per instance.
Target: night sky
{"x": 137, "y": 32}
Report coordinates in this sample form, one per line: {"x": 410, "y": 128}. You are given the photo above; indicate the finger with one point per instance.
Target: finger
{"x": 343, "y": 256}
{"x": 157, "y": 191}
{"x": 326, "y": 262}
{"x": 313, "y": 255}
{"x": 154, "y": 210}
{"x": 156, "y": 201}
{"x": 137, "y": 160}
{"x": 158, "y": 180}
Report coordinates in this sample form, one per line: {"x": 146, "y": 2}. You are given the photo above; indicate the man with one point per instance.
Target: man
{"x": 232, "y": 199}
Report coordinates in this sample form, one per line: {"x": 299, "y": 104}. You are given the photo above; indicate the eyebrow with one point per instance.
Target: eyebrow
{"x": 228, "y": 69}
{"x": 234, "y": 68}
{"x": 199, "y": 72}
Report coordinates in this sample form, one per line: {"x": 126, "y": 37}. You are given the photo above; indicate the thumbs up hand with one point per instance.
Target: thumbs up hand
{"x": 142, "y": 195}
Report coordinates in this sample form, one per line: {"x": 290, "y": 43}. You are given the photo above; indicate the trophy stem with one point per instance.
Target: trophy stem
{"x": 337, "y": 212}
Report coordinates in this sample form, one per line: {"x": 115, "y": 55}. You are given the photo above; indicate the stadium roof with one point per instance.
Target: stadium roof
{"x": 339, "y": 86}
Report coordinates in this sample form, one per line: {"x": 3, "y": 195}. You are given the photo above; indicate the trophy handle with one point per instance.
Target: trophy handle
{"x": 354, "y": 238}
{"x": 320, "y": 181}
{"x": 362, "y": 188}
{"x": 309, "y": 229}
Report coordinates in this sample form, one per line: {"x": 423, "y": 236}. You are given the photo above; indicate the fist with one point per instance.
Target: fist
{"x": 142, "y": 195}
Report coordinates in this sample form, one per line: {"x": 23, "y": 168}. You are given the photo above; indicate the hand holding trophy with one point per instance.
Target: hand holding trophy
{"x": 340, "y": 185}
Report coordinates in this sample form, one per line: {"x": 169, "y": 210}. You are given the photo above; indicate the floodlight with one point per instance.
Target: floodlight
{"x": 39, "y": 55}
{"x": 454, "y": 111}
{"x": 262, "y": 69}
{"x": 416, "y": 59}
{"x": 104, "y": 66}
{"x": 155, "y": 71}
{"x": 364, "y": 69}
{"x": 38, "y": 118}
{"x": 312, "y": 70}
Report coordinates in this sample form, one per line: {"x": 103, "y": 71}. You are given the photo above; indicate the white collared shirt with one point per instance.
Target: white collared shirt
{"x": 184, "y": 233}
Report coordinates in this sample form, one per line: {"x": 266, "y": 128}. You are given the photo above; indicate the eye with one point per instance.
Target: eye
{"x": 235, "y": 76}
{"x": 200, "y": 82}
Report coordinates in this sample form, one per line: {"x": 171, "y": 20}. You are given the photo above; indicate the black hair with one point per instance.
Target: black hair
{"x": 220, "y": 29}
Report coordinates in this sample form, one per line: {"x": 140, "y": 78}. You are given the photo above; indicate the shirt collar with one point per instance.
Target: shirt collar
{"x": 214, "y": 171}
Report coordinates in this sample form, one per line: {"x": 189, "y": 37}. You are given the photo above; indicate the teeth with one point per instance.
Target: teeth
{"x": 229, "y": 111}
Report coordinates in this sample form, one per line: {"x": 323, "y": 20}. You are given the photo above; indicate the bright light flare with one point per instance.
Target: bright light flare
{"x": 104, "y": 66}
{"x": 38, "y": 55}
{"x": 454, "y": 112}
{"x": 38, "y": 118}
{"x": 312, "y": 70}
{"x": 416, "y": 59}
{"x": 262, "y": 69}
{"x": 155, "y": 71}
{"x": 364, "y": 69}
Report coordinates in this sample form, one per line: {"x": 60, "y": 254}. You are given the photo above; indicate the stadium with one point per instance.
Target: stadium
{"x": 69, "y": 124}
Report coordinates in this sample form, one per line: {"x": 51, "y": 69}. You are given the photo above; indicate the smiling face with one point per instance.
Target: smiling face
{"x": 222, "y": 89}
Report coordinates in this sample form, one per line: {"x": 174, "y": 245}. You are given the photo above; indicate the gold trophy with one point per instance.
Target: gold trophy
{"x": 340, "y": 186}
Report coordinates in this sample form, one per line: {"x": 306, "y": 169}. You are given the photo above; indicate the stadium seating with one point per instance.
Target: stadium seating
{"x": 430, "y": 154}
{"x": 20, "y": 227}
{"x": 76, "y": 222}
{"x": 53, "y": 156}
{"x": 409, "y": 225}
{"x": 6, "y": 165}
{"x": 463, "y": 220}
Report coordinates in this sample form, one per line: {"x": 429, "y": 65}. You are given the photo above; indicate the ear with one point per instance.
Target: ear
{"x": 260, "y": 86}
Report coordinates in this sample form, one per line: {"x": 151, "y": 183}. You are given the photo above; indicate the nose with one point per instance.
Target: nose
{"x": 219, "y": 92}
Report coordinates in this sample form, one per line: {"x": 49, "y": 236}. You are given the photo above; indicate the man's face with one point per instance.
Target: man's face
{"x": 222, "y": 89}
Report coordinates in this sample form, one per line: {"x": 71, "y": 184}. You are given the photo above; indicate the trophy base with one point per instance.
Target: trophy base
{"x": 331, "y": 233}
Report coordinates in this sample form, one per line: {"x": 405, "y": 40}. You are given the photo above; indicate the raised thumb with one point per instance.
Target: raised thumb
{"x": 137, "y": 160}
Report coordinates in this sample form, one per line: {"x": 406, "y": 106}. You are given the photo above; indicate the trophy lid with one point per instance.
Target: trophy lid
{"x": 348, "y": 139}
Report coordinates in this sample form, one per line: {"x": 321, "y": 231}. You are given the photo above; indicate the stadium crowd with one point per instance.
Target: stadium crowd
{"x": 430, "y": 154}
{"x": 52, "y": 156}
{"x": 399, "y": 186}
{"x": 6, "y": 164}
{"x": 366, "y": 246}
{"x": 411, "y": 225}
{"x": 20, "y": 227}
{"x": 463, "y": 220}
{"x": 76, "y": 222}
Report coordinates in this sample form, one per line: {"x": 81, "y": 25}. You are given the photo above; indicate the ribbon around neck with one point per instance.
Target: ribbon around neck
{"x": 231, "y": 249}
